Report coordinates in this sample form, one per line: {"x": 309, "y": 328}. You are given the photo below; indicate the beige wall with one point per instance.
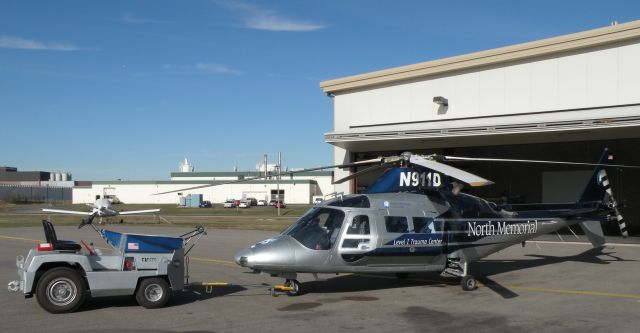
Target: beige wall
{"x": 591, "y": 78}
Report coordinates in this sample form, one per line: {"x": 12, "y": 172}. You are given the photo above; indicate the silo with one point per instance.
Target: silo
{"x": 186, "y": 166}
{"x": 63, "y": 176}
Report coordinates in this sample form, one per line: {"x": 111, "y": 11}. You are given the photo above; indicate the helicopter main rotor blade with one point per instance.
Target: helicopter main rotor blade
{"x": 483, "y": 159}
{"x": 341, "y": 166}
{"x": 361, "y": 172}
{"x": 448, "y": 170}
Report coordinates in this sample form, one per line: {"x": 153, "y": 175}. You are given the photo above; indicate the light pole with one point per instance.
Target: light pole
{"x": 278, "y": 182}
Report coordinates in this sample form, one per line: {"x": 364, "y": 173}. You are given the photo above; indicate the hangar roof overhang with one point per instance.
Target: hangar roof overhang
{"x": 565, "y": 43}
{"x": 615, "y": 122}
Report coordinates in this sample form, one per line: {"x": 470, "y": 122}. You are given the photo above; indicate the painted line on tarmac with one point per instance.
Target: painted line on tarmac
{"x": 574, "y": 292}
{"x": 22, "y": 239}
{"x": 216, "y": 262}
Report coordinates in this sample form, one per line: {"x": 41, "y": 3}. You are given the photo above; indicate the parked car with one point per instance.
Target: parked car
{"x": 244, "y": 204}
{"x": 237, "y": 203}
{"x": 272, "y": 202}
{"x": 317, "y": 201}
{"x": 252, "y": 201}
{"x": 206, "y": 204}
{"x": 262, "y": 202}
{"x": 229, "y": 204}
{"x": 280, "y": 204}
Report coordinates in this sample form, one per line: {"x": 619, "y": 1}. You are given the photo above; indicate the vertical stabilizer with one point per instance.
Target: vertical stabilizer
{"x": 594, "y": 191}
{"x": 599, "y": 189}
{"x": 593, "y": 231}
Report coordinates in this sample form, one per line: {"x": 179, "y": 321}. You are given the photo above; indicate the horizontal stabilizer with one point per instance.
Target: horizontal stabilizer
{"x": 139, "y": 211}
{"x": 75, "y": 212}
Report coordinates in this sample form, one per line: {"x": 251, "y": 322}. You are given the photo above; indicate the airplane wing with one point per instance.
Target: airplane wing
{"x": 75, "y": 212}
{"x": 139, "y": 211}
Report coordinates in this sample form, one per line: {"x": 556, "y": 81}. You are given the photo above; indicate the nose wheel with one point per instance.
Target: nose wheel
{"x": 290, "y": 287}
{"x": 468, "y": 283}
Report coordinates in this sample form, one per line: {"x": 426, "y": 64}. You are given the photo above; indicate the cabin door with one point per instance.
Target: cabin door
{"x": 359, "y": 235}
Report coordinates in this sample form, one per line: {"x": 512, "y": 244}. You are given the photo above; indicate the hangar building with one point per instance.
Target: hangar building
{"x": 564, "y": 98}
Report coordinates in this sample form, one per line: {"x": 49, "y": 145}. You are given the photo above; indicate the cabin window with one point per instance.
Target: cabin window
{"x": 318, "y": 229}
{"x": 359, "y": 225}
{"x": 353, "y": 243}
{"x": 397, "y": 224}
{"x": 426, "y": 225}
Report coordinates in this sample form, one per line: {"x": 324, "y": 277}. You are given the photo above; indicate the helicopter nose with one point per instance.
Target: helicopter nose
{"x": 271, "y": 253}
{"x": 242, "y": 257}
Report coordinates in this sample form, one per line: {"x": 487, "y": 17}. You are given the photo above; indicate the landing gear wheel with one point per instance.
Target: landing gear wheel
{"x": 295, "y": 285}
{"x": 468, "y": 283}
{"x": 60, "y": 290}
{"x": 153, "y": 293}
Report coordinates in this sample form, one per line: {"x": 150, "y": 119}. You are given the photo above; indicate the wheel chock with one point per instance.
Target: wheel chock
{"x": 210, "y": 285}
{"x": 282, "y": 288}
{"x": 279, "y": 288}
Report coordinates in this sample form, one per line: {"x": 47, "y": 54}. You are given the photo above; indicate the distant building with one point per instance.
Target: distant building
{"x": 11, "y": 176}
{"x": 34, "y": 186}
{"x": 300, "y": 188}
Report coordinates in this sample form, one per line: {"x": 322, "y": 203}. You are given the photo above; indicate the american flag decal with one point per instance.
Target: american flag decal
{"x": 133, "y": 246}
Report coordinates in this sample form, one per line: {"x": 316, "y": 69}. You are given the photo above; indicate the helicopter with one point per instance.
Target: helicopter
{"x": 415, "y": 218}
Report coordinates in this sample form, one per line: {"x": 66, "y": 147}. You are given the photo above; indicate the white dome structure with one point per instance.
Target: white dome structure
{"x": 185, "y": 166}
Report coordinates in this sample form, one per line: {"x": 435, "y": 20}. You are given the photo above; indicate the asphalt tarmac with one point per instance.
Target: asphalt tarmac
{"x": 544, "y": 286}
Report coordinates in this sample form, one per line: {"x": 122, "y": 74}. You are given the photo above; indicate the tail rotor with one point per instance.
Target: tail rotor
{"x": 603, "y": 180}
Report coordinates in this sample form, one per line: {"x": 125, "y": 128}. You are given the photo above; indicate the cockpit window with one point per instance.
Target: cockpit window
{"x": 360, "y": 201}
{"x": 318, "y": 229}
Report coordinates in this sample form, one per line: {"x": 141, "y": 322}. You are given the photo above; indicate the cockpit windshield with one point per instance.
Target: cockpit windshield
{"x": 318, "y": 229}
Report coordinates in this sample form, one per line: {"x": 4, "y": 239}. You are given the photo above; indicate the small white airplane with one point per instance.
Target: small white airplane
{"x": 101, "y": 208}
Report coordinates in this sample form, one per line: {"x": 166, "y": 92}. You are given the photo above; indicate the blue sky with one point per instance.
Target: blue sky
{"x": 127, "y": 89}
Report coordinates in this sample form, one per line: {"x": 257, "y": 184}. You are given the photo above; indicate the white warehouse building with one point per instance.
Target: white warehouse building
{"x": 298, "y": 188}
{"x": 562, "y": 98}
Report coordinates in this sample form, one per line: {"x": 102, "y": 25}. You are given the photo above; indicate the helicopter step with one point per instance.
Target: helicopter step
{"x": 457, "y": 268}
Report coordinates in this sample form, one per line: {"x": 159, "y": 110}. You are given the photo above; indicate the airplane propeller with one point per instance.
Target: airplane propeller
{"x": 88, "y": 220}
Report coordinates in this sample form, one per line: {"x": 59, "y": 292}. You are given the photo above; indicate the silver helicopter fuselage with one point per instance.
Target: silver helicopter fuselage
{"x": 392, "y": 233}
